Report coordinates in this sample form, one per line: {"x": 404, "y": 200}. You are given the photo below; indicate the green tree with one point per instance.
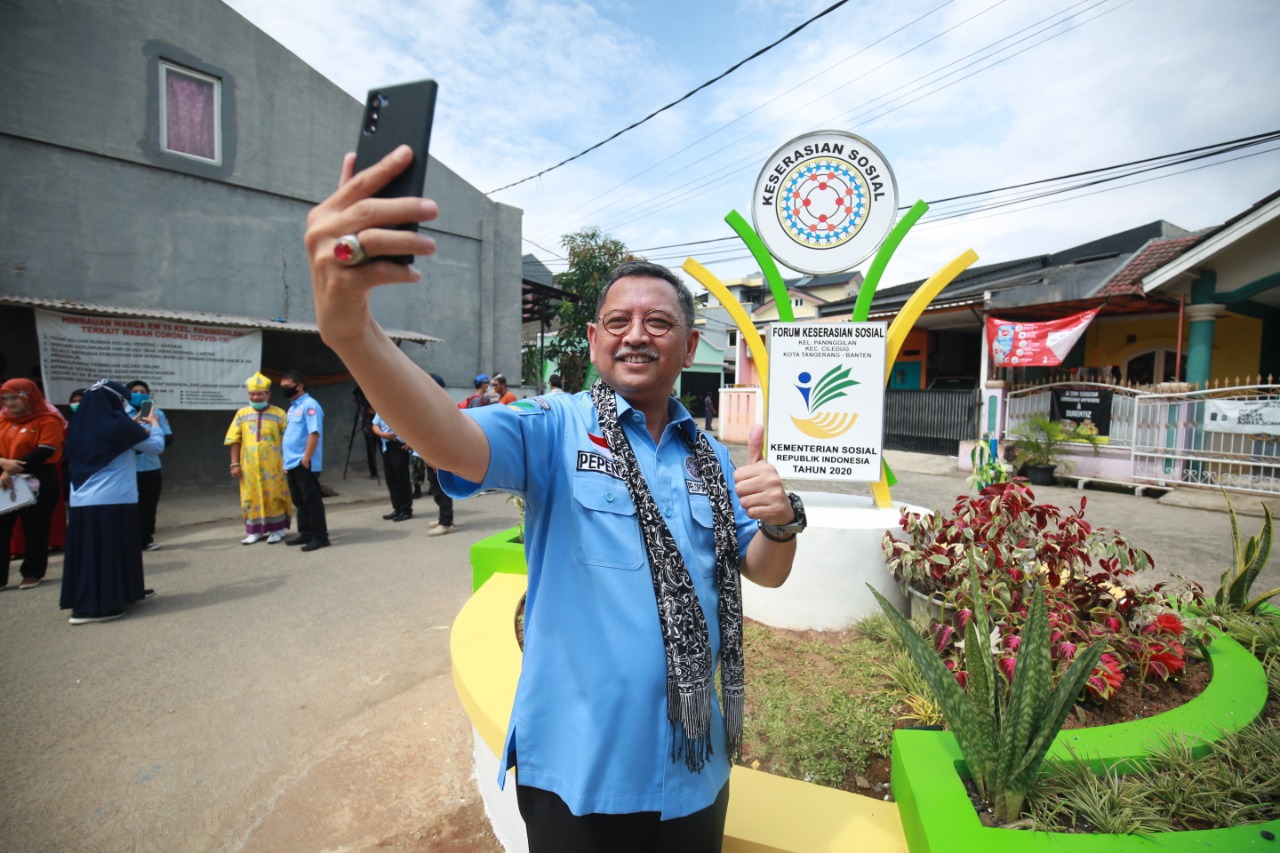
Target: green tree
{"x": 591, "y": 256}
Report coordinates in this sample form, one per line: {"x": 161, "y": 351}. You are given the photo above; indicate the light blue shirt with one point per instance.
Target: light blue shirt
{"x": 117, "y": 481}
{"x": 385, "y": 427}
{"x": 150, "y": 461}
{"x": 590, "y": 720}
{"x": 305, "y": 417}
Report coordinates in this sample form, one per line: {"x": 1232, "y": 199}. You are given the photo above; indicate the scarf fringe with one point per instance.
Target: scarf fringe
{"x": 734, "y": 708}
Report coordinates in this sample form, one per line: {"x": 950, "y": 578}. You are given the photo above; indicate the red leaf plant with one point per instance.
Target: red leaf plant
{"x": 1090, "y": 576}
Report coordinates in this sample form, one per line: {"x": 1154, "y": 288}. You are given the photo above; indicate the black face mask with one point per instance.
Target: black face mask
{"x": 289, "y": 391}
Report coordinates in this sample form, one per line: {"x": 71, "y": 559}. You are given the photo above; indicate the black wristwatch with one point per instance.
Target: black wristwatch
{"x": 786, "y": 532}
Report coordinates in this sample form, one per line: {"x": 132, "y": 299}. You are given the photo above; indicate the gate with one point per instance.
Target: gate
{"x": 1184, "y": 438}
{"x": 932, "y": 421}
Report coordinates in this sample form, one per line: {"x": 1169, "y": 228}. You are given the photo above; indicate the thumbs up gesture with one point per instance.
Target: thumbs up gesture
{"x": 759, "y": 486}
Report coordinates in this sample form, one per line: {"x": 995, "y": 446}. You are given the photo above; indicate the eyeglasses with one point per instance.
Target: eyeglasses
{"x": 656, "y": 323}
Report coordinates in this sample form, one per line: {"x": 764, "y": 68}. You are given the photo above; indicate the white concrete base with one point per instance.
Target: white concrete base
{"x": 499, "y": 803}
{"x": 837, "y": 556}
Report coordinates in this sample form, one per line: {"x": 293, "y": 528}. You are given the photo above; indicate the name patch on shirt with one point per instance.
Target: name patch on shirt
{"x": 588, "y": 461}
{"x": 696, "y": 487}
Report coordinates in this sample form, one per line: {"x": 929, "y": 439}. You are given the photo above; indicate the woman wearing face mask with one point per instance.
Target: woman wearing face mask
{"x": 32, "y": 434}
{"x": 102, "y": 572}
{"x": 150, "y": 481}
{"x": 256, "y": 439}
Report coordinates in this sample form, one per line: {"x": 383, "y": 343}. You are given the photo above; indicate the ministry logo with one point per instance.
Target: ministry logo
{"x": 817, "y": 396}
{"x": 824, "y": 202}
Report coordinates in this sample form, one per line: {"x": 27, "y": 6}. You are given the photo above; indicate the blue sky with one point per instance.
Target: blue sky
{"x": 961, "y": 96}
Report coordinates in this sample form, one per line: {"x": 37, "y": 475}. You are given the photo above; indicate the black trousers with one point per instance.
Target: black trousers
{"x": 371, "y": 443}
{"x": 149, "y": 486}
{"x": 36, "y": 520}
{"x": 552, "y": 828}
{"x": 304, "y": 488}
{"x": 395, "y": 461}
{"x": 443, "y": 501}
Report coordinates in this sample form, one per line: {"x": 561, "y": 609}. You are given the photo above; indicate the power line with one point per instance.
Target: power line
{"x": 1151, "y": 164}
{"x": 727, "y": 172}
{"x": 762, "y": 51}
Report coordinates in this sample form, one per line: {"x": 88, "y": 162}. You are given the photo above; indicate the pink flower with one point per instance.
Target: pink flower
{"x": 1170, "y": 624}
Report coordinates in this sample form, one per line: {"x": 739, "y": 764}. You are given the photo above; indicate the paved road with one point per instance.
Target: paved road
{"x": 269, "y": 700}
{"x": 265, "y": 699}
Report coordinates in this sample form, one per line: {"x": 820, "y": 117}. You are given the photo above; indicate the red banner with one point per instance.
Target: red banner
{"x": 1014, "y": 344}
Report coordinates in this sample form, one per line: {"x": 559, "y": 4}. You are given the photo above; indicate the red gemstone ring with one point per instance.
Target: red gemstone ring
{"x": 348, "y": 251}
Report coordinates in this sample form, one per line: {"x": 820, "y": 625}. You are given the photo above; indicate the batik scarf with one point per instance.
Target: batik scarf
{"x": 685, "y": 638}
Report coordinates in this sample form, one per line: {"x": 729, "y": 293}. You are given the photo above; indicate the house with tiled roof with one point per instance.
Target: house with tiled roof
{"x": 1172, "y": 305}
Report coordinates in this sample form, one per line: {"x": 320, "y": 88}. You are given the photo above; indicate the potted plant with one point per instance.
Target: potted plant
{"x": 1041, "y": 443}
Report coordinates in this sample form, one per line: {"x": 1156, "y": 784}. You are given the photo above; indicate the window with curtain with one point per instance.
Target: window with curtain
{"x": 190, "y": 111}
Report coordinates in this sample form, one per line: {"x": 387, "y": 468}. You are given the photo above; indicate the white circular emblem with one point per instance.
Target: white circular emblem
{"x": 824, "y": 202}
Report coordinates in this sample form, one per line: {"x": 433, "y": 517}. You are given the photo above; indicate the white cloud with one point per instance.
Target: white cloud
{"x": 526, "y": 84}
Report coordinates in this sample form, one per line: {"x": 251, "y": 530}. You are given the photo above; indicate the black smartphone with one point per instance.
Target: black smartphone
{"x": 394, "y": 116}
{"x": 145, "y": 410}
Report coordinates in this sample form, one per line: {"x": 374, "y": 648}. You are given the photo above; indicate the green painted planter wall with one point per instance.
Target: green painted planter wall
{"x": 937, "y": 816}
{"x": 502, "y": 552}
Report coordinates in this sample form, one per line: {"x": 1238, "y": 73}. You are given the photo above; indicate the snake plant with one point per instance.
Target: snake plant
{"x": 1237, "y": 580}
{"x": 1003, "y": 728}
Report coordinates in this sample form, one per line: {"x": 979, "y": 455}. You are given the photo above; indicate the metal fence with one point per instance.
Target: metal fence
{"x": 931, "y": 421}
{"x": 1176, "y": 442}
{"x": 1172, "y": 437}
{"x": 1024, "y": 403}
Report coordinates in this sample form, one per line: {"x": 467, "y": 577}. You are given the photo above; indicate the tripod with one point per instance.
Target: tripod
{"x": 362, "y": 406}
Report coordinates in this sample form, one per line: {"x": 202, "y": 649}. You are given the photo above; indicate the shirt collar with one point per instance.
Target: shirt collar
{"x": 680, "y": 417}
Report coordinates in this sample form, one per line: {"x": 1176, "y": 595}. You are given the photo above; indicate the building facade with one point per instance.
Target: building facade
{"x": 161, "y": 158}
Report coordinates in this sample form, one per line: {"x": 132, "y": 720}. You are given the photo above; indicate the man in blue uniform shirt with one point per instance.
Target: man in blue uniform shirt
{"x": 637, "y": 529}
{"x": 303, "y": 448}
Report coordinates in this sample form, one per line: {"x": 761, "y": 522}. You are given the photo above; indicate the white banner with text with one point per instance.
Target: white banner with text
{"x": 186, "y": 365}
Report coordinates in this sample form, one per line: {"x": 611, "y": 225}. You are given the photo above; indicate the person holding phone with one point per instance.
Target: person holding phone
{"x": 102, "y": 570}
{"x": 637, "y": 529}
{"x": 150, "y": 480}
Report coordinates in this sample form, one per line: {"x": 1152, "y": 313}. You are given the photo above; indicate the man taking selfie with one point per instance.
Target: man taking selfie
{"x": 637, "y": 530}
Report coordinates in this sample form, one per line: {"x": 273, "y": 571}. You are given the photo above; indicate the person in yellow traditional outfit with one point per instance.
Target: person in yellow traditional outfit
{"x": 257, "y": 460}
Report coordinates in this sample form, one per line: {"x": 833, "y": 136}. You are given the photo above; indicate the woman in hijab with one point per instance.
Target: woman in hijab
{"x": 102, "y": 572}
{"x": 32, "y": 434}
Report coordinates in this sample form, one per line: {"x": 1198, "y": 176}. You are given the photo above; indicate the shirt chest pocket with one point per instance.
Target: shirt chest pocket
{"x": 609, "y": 532}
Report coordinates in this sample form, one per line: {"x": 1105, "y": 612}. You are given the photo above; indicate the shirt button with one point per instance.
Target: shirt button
{"x": 608, "y": 496}
{"x": 666, "y": 510}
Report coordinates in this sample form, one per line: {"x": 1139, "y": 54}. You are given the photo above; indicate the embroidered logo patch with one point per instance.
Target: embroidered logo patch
{"x": 691, "y": 465}
{"x": 527, "y": 407}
